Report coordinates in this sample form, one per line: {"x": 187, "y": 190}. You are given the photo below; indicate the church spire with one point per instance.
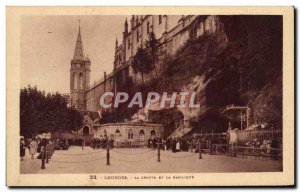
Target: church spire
{"x": 78, "y": 53}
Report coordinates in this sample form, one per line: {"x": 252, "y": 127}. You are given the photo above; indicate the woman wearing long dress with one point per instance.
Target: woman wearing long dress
{"x": 177, "y": 146}
{"x": 33, "y": 145}
{"x": 22, "y": 149}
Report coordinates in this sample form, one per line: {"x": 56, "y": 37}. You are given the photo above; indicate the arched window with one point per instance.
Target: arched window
{"x": 105, "y": 133}
{"x": 142, "y": 132}
{"x": 86, "y": 131}
{"x": 128, "y": 43}
{"x": 159, "y": 19}
{"x": 152, "y": 133}
{"x": 130, "y": 134}
{"x": 137, "y": 36}
{"x": 75, "y": 80}
{"x": 142, "y": 136}
{"x": 80, "y": 81}
{"x": 117, "y": 135}
{"x": 148, "y": 28}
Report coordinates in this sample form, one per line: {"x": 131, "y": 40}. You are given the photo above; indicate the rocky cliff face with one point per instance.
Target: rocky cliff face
{"x": 239, "y": 64}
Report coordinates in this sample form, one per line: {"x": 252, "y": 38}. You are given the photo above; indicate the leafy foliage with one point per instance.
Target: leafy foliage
{"x": 41, "y": 112}
{"x": 153, "y": 47}
{"x": 142, "y": 62}
{"x": 145, "y": 59}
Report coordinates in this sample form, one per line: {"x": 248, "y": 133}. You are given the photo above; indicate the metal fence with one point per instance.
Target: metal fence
{"x": 258, "y": 143}
{"x": 259, "y": 136}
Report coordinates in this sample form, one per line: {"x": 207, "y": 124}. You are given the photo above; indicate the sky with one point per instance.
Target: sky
{"x": 48, "y": 43}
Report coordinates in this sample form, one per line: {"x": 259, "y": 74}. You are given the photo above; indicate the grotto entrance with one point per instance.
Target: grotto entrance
{"x": 172, "y": 119}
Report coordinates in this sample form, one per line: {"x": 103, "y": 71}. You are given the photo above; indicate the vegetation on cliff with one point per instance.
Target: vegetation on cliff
{"x": 241, "y": 64}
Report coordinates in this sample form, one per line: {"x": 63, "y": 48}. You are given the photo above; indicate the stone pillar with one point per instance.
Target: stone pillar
{"x": 166, "y": 23}
{"x": 142, "y": 34}
{"x": 153, "y": 23}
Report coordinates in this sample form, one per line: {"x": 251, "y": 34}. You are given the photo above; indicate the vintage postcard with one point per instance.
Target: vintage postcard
{"x": 150, "y": 96}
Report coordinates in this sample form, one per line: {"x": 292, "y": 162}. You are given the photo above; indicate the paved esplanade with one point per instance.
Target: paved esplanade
{"x": 143, "y": 160}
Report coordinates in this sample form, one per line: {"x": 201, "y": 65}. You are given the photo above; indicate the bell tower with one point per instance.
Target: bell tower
{"x": 79, "y": 75}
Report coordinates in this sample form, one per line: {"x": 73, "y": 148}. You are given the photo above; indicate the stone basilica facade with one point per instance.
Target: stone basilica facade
{"x": 85, "y": 96}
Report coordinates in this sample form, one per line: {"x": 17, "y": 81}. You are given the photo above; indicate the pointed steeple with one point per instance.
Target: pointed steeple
{"x": 117, "y": 42}
{"x": 78, "y": 53}
{"x": 126, "y": 26}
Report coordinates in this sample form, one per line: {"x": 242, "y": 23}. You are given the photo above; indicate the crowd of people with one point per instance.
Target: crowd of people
{"x": 185, "y": 144}
{"x": 62, "y": 144}
{"x": 34, "y": 145}
{"x": 102, "y": 143}
{"x": 174, "y": 144}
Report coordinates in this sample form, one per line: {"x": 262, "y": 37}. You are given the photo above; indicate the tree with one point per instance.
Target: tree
{"x": 142, "y": 62}
{"x": 153, "y": 47}
{"x": 146, "y": 58}
{"x": 45, "y": 113}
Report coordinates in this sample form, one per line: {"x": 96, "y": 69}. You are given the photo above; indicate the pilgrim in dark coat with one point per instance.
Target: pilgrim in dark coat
{"x": 22, "y": 149}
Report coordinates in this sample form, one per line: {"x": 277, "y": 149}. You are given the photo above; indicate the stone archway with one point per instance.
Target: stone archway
{"x": 130, "y": 134}
{"x": 86, "y": 131}
{"x": 153, "y": 134}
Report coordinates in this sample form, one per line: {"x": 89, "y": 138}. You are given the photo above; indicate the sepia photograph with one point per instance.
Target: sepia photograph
{"x": 138, "y": 98}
